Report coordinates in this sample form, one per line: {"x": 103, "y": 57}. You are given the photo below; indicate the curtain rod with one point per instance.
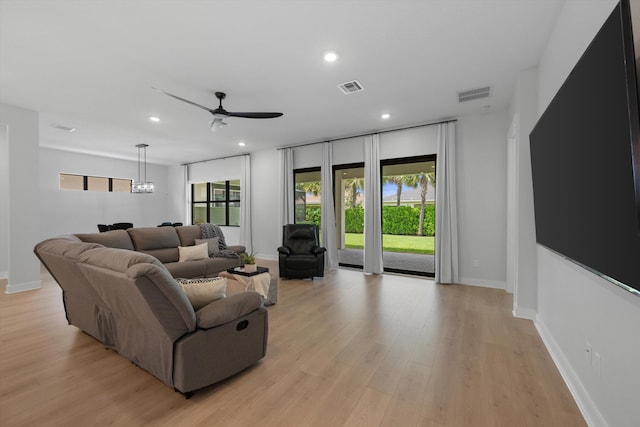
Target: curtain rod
{"x": 217, "y": 158}
{"x": 370, "y": 133}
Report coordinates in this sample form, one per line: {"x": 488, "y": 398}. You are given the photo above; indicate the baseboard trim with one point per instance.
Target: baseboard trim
{"x": 524, "y": 313}
{"x": 22, "y": 287}
{"x": 4, "y": 274}
{"x": 482, "y": 283}
{"x": 267, "y": 257}
{"x": 587, "y": 407}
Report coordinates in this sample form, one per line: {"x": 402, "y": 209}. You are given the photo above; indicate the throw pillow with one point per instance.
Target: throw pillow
{"x": 212, "y": 244}
{"x": 203, "y": 291}
{"x": 192, "y": 253}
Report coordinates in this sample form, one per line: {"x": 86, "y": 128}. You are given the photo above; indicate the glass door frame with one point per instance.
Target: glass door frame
{"x": 401, "y": 161}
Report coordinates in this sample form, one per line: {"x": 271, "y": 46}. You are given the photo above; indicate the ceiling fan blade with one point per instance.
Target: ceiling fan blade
{"x": 255, "y": 115}
{"x": 183, "y": 100}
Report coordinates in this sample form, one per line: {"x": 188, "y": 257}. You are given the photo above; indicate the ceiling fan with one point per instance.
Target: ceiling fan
{"x": 219, "y": 114}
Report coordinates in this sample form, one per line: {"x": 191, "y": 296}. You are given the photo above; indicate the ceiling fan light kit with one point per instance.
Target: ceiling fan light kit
{"x": 220, "y": 113}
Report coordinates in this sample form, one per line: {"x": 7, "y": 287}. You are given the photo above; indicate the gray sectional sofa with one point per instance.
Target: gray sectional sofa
{"x": 128, "y": 300}
{"x": 163, "y": 242}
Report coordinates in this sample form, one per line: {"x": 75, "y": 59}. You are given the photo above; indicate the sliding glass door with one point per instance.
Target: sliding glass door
{"x": 408, "y": 215}
{"x": 349, "y": 194}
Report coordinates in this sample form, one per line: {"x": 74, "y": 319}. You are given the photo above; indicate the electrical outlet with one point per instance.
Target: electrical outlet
{"x": 587, "y": 352}
{"x": 596, "y": 363}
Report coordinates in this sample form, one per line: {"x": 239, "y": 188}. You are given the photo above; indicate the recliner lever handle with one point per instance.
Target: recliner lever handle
{"x": 242, "y": 325}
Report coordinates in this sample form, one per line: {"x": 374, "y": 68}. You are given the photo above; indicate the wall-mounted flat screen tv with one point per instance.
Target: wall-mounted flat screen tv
{"x": 585, "y": 159}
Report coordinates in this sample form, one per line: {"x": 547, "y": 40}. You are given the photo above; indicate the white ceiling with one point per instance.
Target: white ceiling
{"x": 91, "y": 65}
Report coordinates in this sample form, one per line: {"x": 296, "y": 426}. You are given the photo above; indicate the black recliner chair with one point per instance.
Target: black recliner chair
{"x": 300, "y": 255}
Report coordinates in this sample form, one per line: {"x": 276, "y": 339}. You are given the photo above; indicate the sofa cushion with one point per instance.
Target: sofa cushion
{"x": 212, "y": 245}
{"x": 215, "y": 265}
{"x": 193, "y": 253}
{"x": 112, "y": 239}
{"x": 160, "y": 242}
{"x": 188, "y": 234}
{"x": 203, "y": 291}
{"x": 148, "y": 238}
{"x": 189, "y": 269}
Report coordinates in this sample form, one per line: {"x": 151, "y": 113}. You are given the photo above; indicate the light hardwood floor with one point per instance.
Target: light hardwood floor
{"x": 345, "y": 350}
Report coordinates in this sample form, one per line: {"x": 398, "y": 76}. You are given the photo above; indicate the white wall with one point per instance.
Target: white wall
{"x": 521, "y": 246}
{"x": 4, "y": 198}
{"x": 177, "y": 209}
{"x": 22, "y": 201}
{"x": 265, "y": 219}
{"x": 481, "y": 161}
{"x": 74, "y": 211}
{"x": 409, "y": 142}
{"x": 574, "y": 305}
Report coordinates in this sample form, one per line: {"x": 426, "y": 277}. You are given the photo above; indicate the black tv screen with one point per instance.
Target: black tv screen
{"x": 584, "y": 160}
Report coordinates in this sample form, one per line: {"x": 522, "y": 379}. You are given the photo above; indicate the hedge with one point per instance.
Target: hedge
{"x": 400, "y": 220}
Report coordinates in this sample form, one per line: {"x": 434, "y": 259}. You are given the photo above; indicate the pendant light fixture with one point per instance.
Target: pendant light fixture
{"x": 142, "y": 185}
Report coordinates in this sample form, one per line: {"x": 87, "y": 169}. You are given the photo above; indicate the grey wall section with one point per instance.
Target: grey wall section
{"x": 74, "y": 211}
{"x": 481, "y": 160}
{"x": 4, "y": 199}
{"x": 177, "y": 209}
{"x": 574, "y": 305}
{"x": 521, "y": 254}
{"x": 22, "y": 201}
{"x": 265, "y": 220}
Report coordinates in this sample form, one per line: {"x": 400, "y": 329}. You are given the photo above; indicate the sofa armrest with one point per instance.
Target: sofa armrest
{"x": 237, "y": 248}
{"x": 227, "y": 309}
{"x": 284, "y": 250}
{"x": 318, "y": 250}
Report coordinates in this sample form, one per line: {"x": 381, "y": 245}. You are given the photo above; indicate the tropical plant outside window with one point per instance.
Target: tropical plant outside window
{"x": 408, "y": 211}
{"x": 307, "y": 196}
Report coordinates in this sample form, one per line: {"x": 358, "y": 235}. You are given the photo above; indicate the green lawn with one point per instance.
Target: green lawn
{"x": 394, "y": 243}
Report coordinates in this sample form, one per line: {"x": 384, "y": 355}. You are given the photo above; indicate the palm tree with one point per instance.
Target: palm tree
{"x": 302, "y": 189}
{"x": 351, "y": 194}
{"x": 398, "y": 180}
{"x": 421, "y": 179}
{"x": 312, "y": 187}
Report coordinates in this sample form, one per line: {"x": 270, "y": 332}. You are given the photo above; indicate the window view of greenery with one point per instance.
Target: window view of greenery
{"x": 408, "y": 211}
{"x": 307, "y": 198}
{"x": 408, "y": 224}
{"x": 408, "y": 207}
{"x": 216, "y": 202}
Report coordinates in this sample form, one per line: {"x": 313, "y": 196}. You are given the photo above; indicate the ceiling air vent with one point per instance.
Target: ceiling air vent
{"x": 471, "y": 94}
{"x": 61, "y": 127}
{"x": 350, "y": 87}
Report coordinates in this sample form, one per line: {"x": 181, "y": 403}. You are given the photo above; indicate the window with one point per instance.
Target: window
{"x": 216, "y": 202}
{"x": 94, "y": 183}
{"x": 307, "y": 200}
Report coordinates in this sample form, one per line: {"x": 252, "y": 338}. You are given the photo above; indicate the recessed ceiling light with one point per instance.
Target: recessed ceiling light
{"x": 385, "y": 116}
{"x": 330, "y": 56}
{"x": 154, "y": 119}
{"x": 241, "y": 144}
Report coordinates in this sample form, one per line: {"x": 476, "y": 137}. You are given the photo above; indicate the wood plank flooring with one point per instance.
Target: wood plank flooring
{"x": 346, "y": 350}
